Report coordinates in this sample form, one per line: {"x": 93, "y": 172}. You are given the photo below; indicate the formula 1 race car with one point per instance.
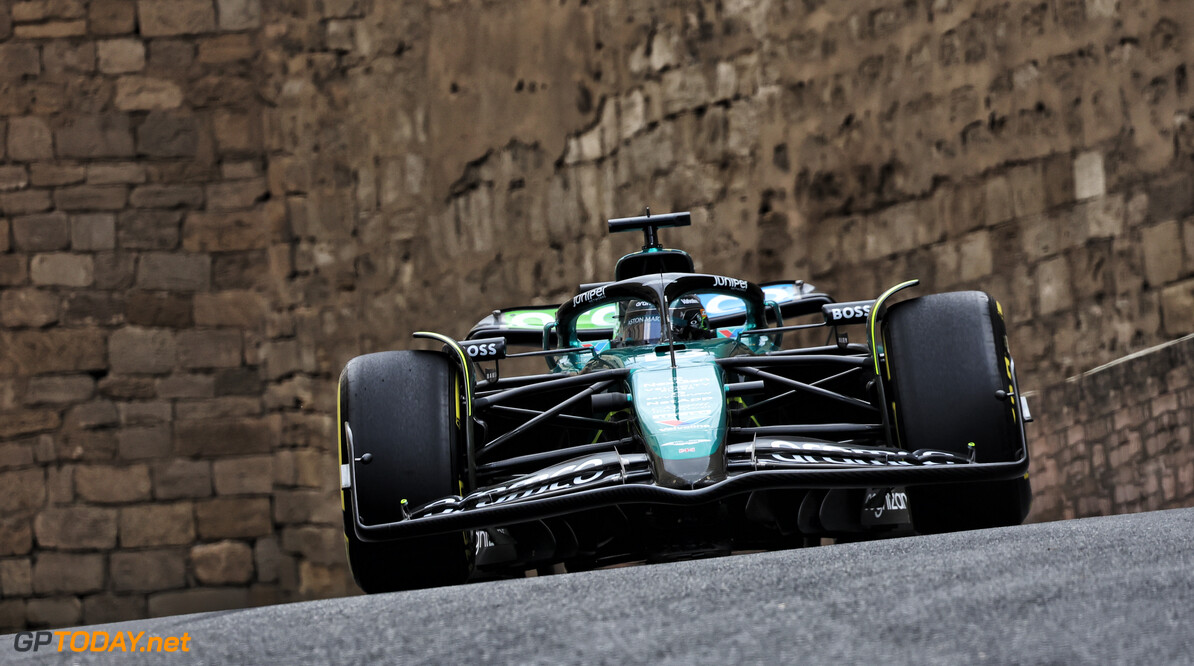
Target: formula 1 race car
{"x": 674, "y": 423}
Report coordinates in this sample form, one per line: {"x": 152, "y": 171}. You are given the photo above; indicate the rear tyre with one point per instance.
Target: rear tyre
{"x": 948, "y": 356}
{"x": 400, "y": 407}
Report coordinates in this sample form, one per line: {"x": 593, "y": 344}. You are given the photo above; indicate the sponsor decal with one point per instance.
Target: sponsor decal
{"x": 730, "y": 283}
{"x": 596, "y": 470}
{"x": 489, "y": 348}
{"x": 589, "y": 296}
{"x": 892, "y": 501}
{"x": 847, "y": 313}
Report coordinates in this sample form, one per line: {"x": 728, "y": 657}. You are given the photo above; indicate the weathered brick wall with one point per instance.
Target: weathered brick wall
{"x": 1117, "y": 439}
{"x": 146, "y": 374}
{"x": 208, "y": 206}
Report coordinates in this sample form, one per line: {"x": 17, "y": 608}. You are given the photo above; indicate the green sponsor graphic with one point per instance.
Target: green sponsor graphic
{"x": 534, "y": 320}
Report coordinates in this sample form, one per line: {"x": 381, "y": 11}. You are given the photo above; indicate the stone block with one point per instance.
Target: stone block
{"x": 69, "y": 573}
{"x": 240, "y": 170}
{"x": 209, "y": 349}
{"x": 62, "y": 269}
{"x": 91, "y": 197}
{"x": 28, "y": 422}
{"x": 174, "y": 271}
{"x": 226, "y": 49}
{"x": 167, "y": 196}
{"x": 167, "y": 18}
{"x": 186, "y": 386}
{"x": 13, "y": 177}
{"x": 178, "y": 478}
{"x": 24, "y": 491}
{"x": 168, "y": 135}
{"x": 1162, "y": 249}
{"x": 306, "y": 506}
{"x": 1055, "y": 289}
{"x": 112, "y": 17}
{"x": 91, "y": 232}
{"x": 143, "y": 93}
{"x": 237, "y": 132}
{"x": 19, "y": 60}
{"x": 149, "y": 412}
{"x": 16, "y": 454}
{"x": 16, "y": 578}
{"x": 238, "y": 309}
{"x": 321, "y": 545}
{"x": 107, "y": 484}
{"x": 148, "y": 570}
{"x": 1177, "y": 308}
{"x": 217, "y": 408}
{"x": 106, "y": 608}
{"x": 235, "y": 194}
{"x": 53, "y": 612}
{"x": 41, "y": 233}
{"x": 227, "y": 436}
{"x": 24, "y": 202}
{"x": 76, "y": 528}
{"x": 171, "y": 55}
{"x": 239, "y": 14}
{"x": 29, "y": 139}
{"x": 16, "y": 535}
{"x": 233, "y": 518}
{"x": 222, "y": 562}
{"x": 61, "y": 57}
{"x": 157, "y": 525}
{"x": 1090, "y": 180}
{"x": 93, "y": 308}
{"x": 121, "y": 56}
{"x": 243, "y": 476}
{"x": 225, "y": 232}
{"x": 91, "y": 415}
{"x": 42, "y": 174}
{"x": 134, "y": 350}
{"x": 238, "y": 381}
{"x": 149, "y": 229}
{"x": 242, "y": 270}
{"x": 28, "y": 307}
{"x": 198, "y": 600}
{"x": 51, "y": 350}
{"x": 59, "y": 389}
{"x": 159, "y": 309}
{"x": 114, "y": 270}
{"x": 32, "y": 11}
{"x": 127, "y": 173}
{"x": 142, "y": 443}
{"x": 266, "y": 556}
{"x": 95, "y": 136}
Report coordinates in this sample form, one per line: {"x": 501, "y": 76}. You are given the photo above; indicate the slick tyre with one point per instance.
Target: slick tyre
{"x": 400, "y": 407}
{"x": 948, "y": 356}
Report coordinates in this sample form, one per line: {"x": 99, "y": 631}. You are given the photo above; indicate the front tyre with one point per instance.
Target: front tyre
{"x": 401, "y": 407}
{"x": 948, "y": 357}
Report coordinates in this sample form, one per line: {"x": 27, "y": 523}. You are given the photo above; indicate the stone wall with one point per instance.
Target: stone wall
{"x": 208, "y": 206}
{"x": 1117, "y": 439}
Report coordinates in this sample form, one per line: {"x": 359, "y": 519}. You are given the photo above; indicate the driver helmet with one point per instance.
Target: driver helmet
{"x": 689, "y": 321}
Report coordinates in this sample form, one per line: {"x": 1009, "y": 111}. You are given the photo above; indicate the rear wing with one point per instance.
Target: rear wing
{"x": 524, "y": 325}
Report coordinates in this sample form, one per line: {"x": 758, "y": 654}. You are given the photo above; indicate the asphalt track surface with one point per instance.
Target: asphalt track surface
{"x": 1094, "y": 591}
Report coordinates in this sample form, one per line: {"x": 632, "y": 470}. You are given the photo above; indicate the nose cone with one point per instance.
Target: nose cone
{"x": 682, "y": 418}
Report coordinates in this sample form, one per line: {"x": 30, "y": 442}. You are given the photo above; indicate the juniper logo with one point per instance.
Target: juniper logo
{"x": 99, "y": 641}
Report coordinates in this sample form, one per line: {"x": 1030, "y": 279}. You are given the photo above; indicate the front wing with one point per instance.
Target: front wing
{"x": 610, "y": 478}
